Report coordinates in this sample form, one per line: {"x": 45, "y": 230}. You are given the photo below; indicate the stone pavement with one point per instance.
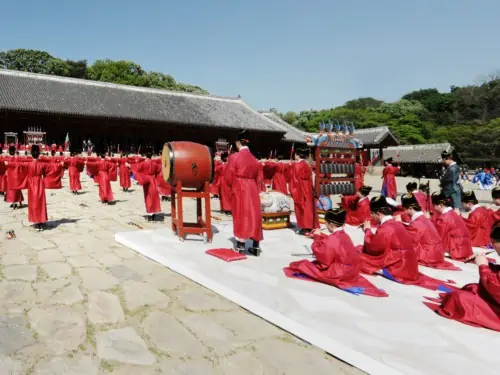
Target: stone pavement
{"x": 75, "y": 302}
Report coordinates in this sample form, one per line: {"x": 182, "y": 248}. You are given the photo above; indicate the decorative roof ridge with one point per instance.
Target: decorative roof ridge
{"x": 147, "y": 90}
{"x": 421, "y": 146}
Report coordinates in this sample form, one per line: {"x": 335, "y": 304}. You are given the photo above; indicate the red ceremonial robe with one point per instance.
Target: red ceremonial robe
{"x": 479, "y": 223}
{"x": 476, "y": 304}
{"x": 427, "y": 243}
{"x": 357, "y": 209}
{"x": 454, "y": 234}
{"x": 389, "y": 187}
{"x": 31, "y": 175}
{"x": 164, "y": 188}
{"x": 113, "y": 172}
{"x": 279, "y": 179}
{"x": 75, "y": 166}
{"x": 422, "y": 199}
{"x": 100, "y": 169}
{"x": 391, "y": 250}
{"x": 12, "y": 195}
{"x": 3, "y": 175}
{"x": 242, "y": 176}
{"x": 53, "y": 178}
{"x": 359, "y": 176}
{"x": 146, "y": 174}
{"x": 215, "y": 185}
{"x": 495, "y": 215}
{"x": 124, "y": 174}
{"x": 301, "y": 189}
{"x": 337, "y": 263}
{"x": 262, "y": 184}
{"x": 224, "y": 191}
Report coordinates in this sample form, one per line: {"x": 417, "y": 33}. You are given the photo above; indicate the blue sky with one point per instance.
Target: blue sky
{"x": 286, "y": 54}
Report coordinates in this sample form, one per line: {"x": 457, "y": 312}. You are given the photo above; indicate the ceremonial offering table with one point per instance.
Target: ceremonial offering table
{"x": 277, "y": 220}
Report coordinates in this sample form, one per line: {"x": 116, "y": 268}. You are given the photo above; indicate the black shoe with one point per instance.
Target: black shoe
{"x": 153, "y": 217}
{"x": 240, "y": 247}
{"x": 255, "y": 249}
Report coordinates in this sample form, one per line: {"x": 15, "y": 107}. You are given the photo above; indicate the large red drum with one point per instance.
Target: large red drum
{"x": 188, "y": 162}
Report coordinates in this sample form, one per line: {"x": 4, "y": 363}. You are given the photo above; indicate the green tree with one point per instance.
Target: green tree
{"x": 363, "y": 103}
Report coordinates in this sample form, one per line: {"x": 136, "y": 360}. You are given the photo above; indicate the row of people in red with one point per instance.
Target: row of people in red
{"x": 395, "y": 252}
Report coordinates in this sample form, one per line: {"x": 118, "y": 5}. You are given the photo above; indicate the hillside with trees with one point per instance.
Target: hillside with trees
{"x": 122, "y": 72}
{"x": 467, "y": 117}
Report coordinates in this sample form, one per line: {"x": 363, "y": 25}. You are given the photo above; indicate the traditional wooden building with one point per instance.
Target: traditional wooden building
{"x": 125, "y": 115}
{"x": 421, "y": 161}
{"x": 292, "y": 137}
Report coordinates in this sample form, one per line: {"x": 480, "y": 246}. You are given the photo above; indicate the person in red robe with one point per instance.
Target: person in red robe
{"x": 124, "y": 173}
{"x": 242, "y": 176}
{"x": 113, "y": 172}
{"x": 390, "y": 249}
{"x": 357, "y": 206}
{"x": 301, "y": 189}
{"x": 359, "y": 174}
{"x": 478, "y": 304}
{"x": 279, "y": 180}
{"x": 3, "y": 176}
{"x": 13, "y": 196}
{"x": 337, "y": 261}
{"x": 495, "y": 196}
{"x": 389, "y": 187}
{"x": 426, "y": 240}
{"x": 146, "y": 173}
{"x": 164, "y": 187}
{"x": 31, "y": 175}
{"x": 479, "y": 222}
{"x": 451, "y": 228}
{"x": 75, "y": 166}
{"x": 100, "y": 169}
{"x": 215, "y": 185}
{"x": 224, "y": 192}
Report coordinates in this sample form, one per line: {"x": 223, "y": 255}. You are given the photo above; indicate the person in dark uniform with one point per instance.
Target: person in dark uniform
{"x": 449, "y": 181}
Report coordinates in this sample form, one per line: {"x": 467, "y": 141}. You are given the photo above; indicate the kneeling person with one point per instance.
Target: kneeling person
{"x": 337, "y": 260}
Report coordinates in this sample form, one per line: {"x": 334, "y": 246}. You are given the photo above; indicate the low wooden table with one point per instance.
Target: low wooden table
{"x": 278, "y": 220}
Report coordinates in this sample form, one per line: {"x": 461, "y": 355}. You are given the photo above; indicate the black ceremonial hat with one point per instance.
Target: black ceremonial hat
{"x": 365, "y": 190}
{"x": 242, "y": 136}
{"x": 336, "y": 216}
{"x": 423, "y": 185}
{"x": 409, "y": 201}
{"x": 495, "y": 234}
{"x": 445, "y": 155}
{"x": 379, "y": 202}
{"x": 439, "y": 198}
{"x": 35, "y": 148}
{"x": 411, "y": 186}
{"x": 388, "y": 160}
{"x": 495, "y": 193}
{"x": 469, "y": 197}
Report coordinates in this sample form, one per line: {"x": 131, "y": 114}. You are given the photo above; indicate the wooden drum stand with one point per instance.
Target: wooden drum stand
{"x": 202, "y": 226}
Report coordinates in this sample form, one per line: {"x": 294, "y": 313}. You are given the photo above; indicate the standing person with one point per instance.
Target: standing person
{"x": 359, "y": 174}
{"x": 389, "y": 187}
{"x": 242, "y": 176}
{"x": 450, "y": 181}
{"x": 13, "y": 196}
{"x": 31, "y": 175}
{"x": 146, "y": 174}
{"x": 224, "y": 191}
{"x": 75, "y": 166}
{"x": 3, "y": 175}
{"x": 301, "y": 189}
{"x": 100, "y": 169}
{"x": 124, "y": 173}
{"x": 279, "y": 179}
{"x": 495, "y": 197}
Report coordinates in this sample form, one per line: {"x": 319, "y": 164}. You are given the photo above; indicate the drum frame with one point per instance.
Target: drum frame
{"x": 203, "y": 226}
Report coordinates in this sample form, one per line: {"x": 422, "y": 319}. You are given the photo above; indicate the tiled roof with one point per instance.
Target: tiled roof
{"x": 374, "y": 136}
{"x": 21, "y": 91}
{"x": 292, "y": 133}
{"x": 426, "y": 153}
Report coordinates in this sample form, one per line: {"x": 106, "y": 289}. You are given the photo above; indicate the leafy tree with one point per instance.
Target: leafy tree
{"x": 363, "y": 103}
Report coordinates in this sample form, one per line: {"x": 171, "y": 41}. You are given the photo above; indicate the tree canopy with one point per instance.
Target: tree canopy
{"x": 122, "y": 72}
{"x": 467, "y": 117}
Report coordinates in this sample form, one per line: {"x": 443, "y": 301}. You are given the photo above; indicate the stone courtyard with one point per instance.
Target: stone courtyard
{"x": 75, "y": 302}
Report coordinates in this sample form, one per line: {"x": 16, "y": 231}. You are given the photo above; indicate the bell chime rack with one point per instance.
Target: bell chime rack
{"x": 335, "y": 170}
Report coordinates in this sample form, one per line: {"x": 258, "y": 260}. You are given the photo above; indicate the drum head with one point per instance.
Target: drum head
{"x": 166, "y": 159}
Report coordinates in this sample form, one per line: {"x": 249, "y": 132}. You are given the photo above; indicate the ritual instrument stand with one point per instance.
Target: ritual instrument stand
{"x": 334, "y": 168}
{"x": 203, "y": 226}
